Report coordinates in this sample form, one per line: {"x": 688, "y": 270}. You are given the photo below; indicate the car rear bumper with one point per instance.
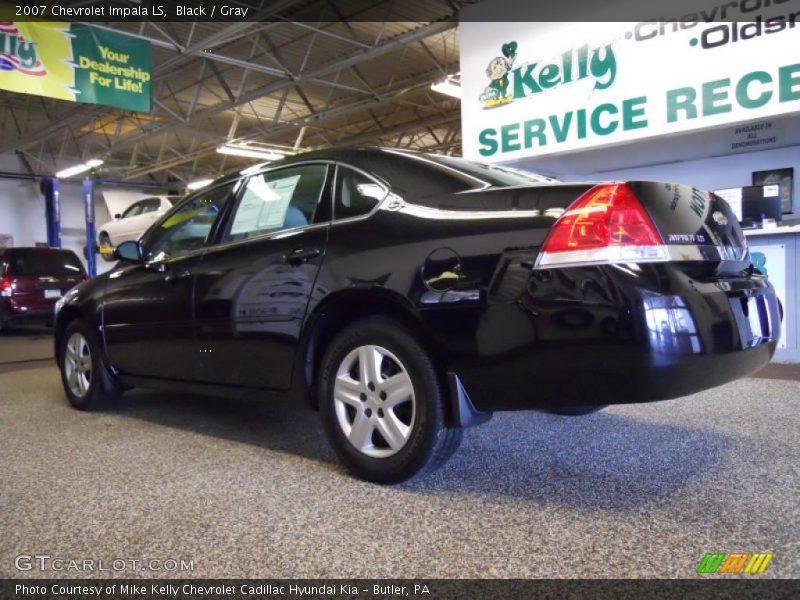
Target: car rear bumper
{"x": 598, "y": 378}
{"x": 609, "y": 335}
{"x": 15, "y": 314}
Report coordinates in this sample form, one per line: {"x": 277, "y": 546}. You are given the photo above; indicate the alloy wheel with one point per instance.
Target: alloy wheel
{"x": 374, "y": 401}
{"x": 78, "y": 365}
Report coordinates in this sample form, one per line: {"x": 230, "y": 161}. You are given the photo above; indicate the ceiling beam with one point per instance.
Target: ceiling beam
{"x": 386, "y": 96}
{"x": 83, "y": 114}
{"x": 407, "y": 126}
{"x": 327, "y": 69}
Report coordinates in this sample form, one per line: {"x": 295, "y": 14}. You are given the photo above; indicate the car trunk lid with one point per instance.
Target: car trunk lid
{"x": 695, "y": 224}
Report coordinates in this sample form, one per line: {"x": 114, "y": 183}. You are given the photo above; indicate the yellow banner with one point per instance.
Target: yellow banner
{"x": 29, "y": 66}
{"x": 76, "y": 62}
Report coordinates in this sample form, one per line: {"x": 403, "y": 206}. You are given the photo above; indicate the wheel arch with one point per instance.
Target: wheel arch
{"x": 340, "y": 310}
{"x": 65, "y": 316}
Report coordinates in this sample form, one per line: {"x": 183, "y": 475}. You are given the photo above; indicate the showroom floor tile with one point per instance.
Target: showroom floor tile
{"x": 247, "y": 489}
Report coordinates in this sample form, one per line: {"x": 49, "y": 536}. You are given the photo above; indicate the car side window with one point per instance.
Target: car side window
{"x": 276, "y": 200}
{"x": 133, "y": 210}
{"x": 356, "y": 194}
{"x": 187, "y": 228}
{"x": 150, "y": 205}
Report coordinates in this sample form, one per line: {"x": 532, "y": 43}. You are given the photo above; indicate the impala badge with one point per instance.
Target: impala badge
{"x": 719, "y": 218}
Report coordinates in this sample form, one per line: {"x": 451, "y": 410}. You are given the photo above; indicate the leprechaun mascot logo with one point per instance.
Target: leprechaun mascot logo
{"x": 496, "y": 93}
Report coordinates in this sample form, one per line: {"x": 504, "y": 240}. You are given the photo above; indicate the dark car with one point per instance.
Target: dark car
{"x": 407, "y": 296}
{"x": 32, "y": 280}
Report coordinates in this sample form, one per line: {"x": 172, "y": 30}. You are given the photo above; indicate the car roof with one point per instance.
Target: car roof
{"x": 36, "y": 249}
{"x": 400, "y": 168}
{"x": 334, "y": 154}
{"x": 353, "y": 154}
{"x": 148, "y": 198}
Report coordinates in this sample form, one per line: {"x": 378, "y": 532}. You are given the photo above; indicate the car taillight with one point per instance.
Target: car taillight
{"x": 5, "y": 286}
{"x": 605, "y": 225}
{"x": 86, "y": 277}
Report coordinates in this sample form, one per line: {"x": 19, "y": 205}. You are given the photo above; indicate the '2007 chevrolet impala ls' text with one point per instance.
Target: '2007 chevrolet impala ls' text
{"x": 407, "y": 296}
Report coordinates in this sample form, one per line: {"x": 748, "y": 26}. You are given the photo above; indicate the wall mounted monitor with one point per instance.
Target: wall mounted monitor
{"x": 782, "y": 177}
{"x": 761, "y": 202}
{"x": 753, "y": 202}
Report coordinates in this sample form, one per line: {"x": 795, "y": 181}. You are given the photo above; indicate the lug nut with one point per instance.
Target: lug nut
{"x": 371, "y": 386}
{"x": 380, "y": 413}
{"x": 363, "y": 397}
{"x": 383, "y": 395}
{"x": 368, "y": 412}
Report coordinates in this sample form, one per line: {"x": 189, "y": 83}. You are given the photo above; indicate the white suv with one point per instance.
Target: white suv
{"x": 132, "y": 223}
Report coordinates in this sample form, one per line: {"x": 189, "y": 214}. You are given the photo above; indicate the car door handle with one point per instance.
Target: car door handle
{"x": 158, "y": 267}
{"x": 301, "y": 255}
{"x": 173, "y": 277}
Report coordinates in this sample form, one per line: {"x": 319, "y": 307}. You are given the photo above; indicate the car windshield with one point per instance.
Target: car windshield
{"x": 41, "y": 263}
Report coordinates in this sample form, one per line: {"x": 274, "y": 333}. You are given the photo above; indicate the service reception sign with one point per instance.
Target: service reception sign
{"x": 532, "y": 89}
{"x": 75, "y": 62}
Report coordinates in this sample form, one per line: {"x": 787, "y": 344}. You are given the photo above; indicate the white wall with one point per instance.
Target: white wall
{"x": 22, "y": 215}
{"x": 710, "y": 173}
{"x": 22, "y": 210}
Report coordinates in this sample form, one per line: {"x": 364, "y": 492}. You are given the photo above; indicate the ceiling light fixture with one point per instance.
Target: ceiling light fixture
{"x": 78, "y": 169}
{"x": 198, "y": 184}
{"x": 251, "y": 151}
{"x": 447, "y": 86}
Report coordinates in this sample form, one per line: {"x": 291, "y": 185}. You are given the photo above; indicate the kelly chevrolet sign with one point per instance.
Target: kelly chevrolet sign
{"x": 75, "y": 62}
{"x": 532, "y": 89}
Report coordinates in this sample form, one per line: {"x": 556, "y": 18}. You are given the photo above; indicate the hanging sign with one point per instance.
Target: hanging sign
{"x": 75, "y": 62}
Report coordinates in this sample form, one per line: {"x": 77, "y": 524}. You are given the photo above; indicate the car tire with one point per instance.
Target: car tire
{"x": 87, "y": 382}
{"x": 104, "y": 241}
{"x": 575, "y": 411}
{"x": 389, "y": 430}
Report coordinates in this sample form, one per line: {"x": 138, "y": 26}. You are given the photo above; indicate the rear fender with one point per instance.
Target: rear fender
{"x": 339, "y": 310}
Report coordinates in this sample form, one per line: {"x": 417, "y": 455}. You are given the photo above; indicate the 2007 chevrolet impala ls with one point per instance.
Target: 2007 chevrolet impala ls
{"x": 407, "y": 296}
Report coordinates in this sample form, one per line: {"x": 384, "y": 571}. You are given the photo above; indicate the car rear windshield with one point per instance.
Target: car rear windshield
{"x": 423, "y": 176}
{"x": 41, "y": 263}
{"x": 491, "y": 175}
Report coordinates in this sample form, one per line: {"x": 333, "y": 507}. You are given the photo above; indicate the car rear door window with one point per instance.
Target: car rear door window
{"x": 42, "y": 263}
{"x": 150, "y": 205}
{"x": 133, "y": 210}
{"x": 187, "y": 228}
{"x": 356, "y": 194}
{"x": 277, "y": 200}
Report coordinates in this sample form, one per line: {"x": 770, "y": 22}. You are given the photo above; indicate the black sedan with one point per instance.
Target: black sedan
{"x": 406, "y": 296}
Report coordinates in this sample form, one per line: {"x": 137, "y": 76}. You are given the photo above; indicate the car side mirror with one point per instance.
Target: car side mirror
{"x": 129, "y": 251}
{"x": 117, "y": 216}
